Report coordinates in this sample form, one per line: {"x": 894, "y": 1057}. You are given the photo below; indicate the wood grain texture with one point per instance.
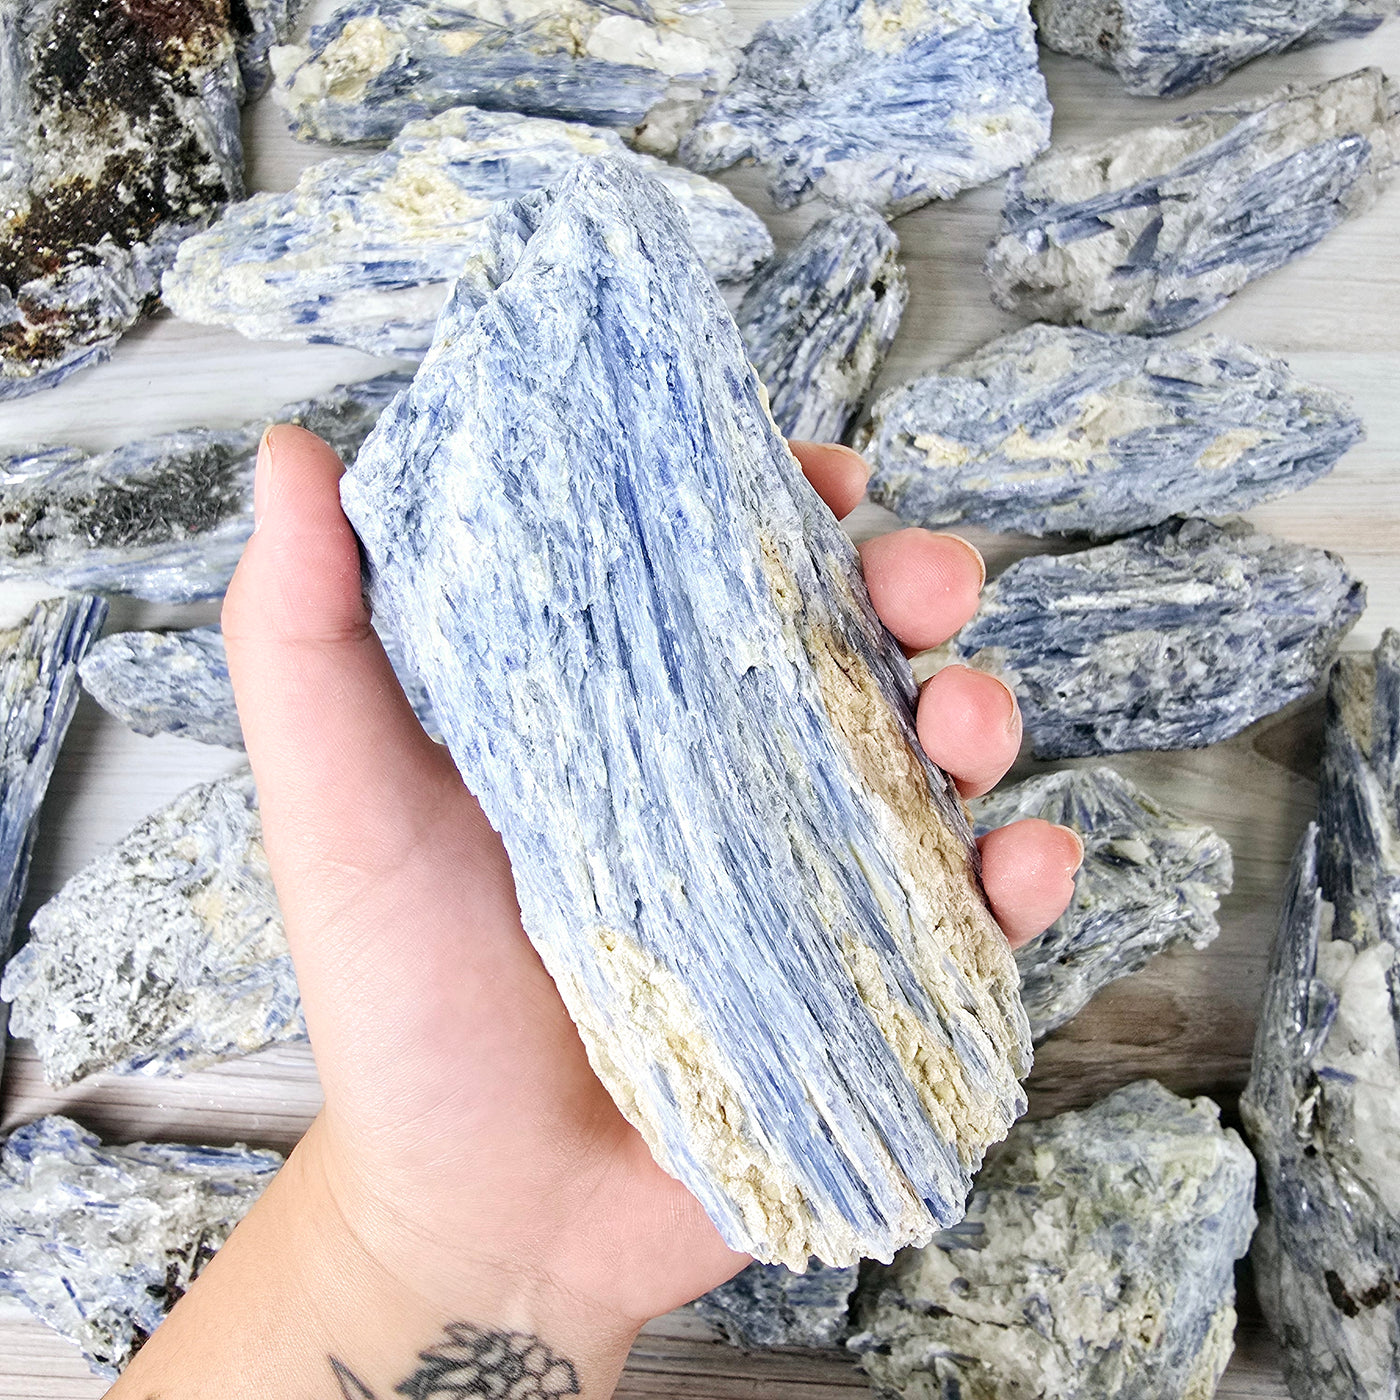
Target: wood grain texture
{"x": 1188, "y": 1019}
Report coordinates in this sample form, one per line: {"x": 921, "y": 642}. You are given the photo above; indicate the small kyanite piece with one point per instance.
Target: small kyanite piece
{"x": 1322, "y": 1106}
{"x": 101, "y": 1242}
{"x": 374, "y": 65}
{"x": 259, "y": 25}
{"x": 881, "y": 102}
{"x": 663, "y": 679}
{"x": 1152, "y": 230}
{"x": 1172, "y": 638}
{"x": 1058, "y": 430}
{"x": 767, "y": 1305}
{"x": 1096, "y": 1262}
{"x": 119, "y": 135}
{"x": 1150, "y": 880}
{"x": 364, "y": 252}
{"x": 165, "y": 518}
{"x": 818, "y": 323}
{"x": 164, "y": 954}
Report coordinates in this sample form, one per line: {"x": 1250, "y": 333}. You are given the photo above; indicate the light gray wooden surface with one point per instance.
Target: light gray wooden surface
{"x": 1188, "y": 1019}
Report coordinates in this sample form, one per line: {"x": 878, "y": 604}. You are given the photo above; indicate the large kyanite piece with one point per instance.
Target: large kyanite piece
{"x": 767, "y": 1305}
{"x": 164, "y": 954}
{"x": 1097, "y": 1262}
{"x": 1172, "y": 638}
{"x": 364, "y": 252}
{"x": 818, "y": 323}
{"x": 665, "y": 682}
{"x": 101, "y": 1242}
{"x": 1323, "y": 1101}
{"x": 118, "y": 136}
{"x": 881, "y": 102}
{"x": 1154, "y": 229}
{"x": 1150, "y": 880}
{"x": 1062, "y": 430}
{"x": 376, "y": 64}
{"x": 165, "y": 518}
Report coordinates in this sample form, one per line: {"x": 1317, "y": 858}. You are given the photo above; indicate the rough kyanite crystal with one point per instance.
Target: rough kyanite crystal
{"x": 664, "y": 681}
{"x": 1154, "y": 229}
{"x": 260, "y": 25}
{"x": 1150, "y": 880}
{"x": 364, "y": 252}
{"x": 165, "y": 518}
{"x": 1055, "y": 429}
{"x": 119, "y": 135}
{"x": 101, "y": 1242}
{"x": 768, "y": 1305}
{"x": 376, "y": 64}
{"x": 881, "y": 102}
{"x": 1096, "y": 1262}
{"x": 1172, "y": 638}
{"x": 164, "y": 954}
{"x": 1322, "y": 1106}
{"x": 819, "y": 323}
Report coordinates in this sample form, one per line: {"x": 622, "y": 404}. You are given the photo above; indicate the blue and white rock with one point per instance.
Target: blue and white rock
{"x": 1152, "y": 230}
{"x": 881, "y": 102}
{"x": 364, "y": 252}
{"x": 1356, "y": 20}
{"x": 818, "y": 323}
{"x": 1096, "y": 1262}
{"x": 101, "y": 1242}
{"x": 165, "y": 518}
{"x": 1172, "y": 638}
{"x": 1322, "y": 1106}
{"x": 165, "y": 953}
{"x": 1150, "y": 880}
{"x": 1055, "y": 429}
{"x": 260, "y": 25}
{"x": 663, "y": 679}
{"x": 374, "y": 65}
{"x": 767, "y": 1305}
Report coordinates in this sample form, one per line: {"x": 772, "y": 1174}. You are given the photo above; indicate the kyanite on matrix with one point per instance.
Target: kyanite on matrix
{"x": 165, "y": 953}
{"x": 665, "y": 683}
{"x": 165, "y": 518}
{"x": 1322, "y": 1106}
{"x": 363, "y": 252}
{"x": 881, "y": 102}
{"x": 818, "y": 323}
{"x": 1150, "y": 880}
{"x": 376, "y": 64}
{"x": 1152, "y": 230}
{"x": 101, "y": 1242}
{"x": 1096, "y": 1262}
{"x": 1055, "y": 429}
{"x": 1172, "y": 638}
{"x": 768, "y": 1305}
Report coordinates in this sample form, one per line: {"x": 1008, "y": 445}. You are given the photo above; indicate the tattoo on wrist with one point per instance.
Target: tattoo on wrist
{"x": 476, "y": 1361}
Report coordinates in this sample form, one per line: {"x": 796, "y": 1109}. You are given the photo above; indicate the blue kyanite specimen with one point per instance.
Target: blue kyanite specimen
{"x": 101, "y": 1242}
{"x": 1322, "y": 1106}
{"x": 881, "y": 102}
{"x": 165, "y": 518}
{"x": 377, "y": 64}
{"x": 119, "y": 135}
{"x": 259, "y": 25}
{"x": 767, "y": 1305}
{"x": 665, "y": 682}
{"x": 818, "y": 323}
{"x": 1172, "y": 638}
{"x": 364, "y": 252}
{"x": 1150, "y": 880}
{"x": 1096, "y": 1262}
{"x": 1061, "y": 430}
{"x": 1154, "y": 229}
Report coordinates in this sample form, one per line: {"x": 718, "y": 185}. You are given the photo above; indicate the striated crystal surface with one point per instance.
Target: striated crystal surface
{"x": 1056, "y": 429}
{"x": 101, "y": 1242}
{"x": 165, "y": 518}
{"x": 889, "y": 103}
{"x": 664, "y": 681}
{"x": 1153, "y": 230}
{"x": 818, "y": 323}
{"x": 767, "y": 1305}
{"x": 376, "y": 64}
{"x": 364, "y": 252}
{"x": 1172, "y": 638}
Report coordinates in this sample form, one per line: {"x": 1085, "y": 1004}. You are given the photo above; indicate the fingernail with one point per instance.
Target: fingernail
{"x": 972, "y": 550}
{"x": 1013, "y": 709}
{"x": 262, "y": 478}
{"x": 1079, "y": 848}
